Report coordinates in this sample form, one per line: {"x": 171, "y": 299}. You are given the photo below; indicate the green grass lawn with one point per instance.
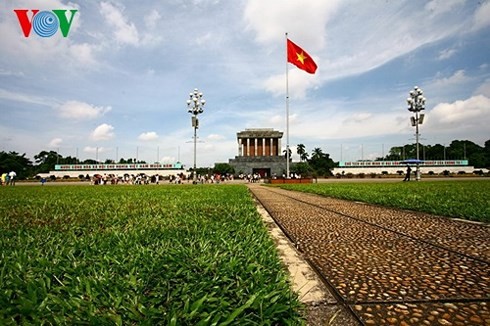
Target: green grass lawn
{"x": 139, "y": 255}
{"x": 468, "y": 199}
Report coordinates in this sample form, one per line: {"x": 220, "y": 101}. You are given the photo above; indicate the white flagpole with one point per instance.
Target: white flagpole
{"x": 287, "y": 110}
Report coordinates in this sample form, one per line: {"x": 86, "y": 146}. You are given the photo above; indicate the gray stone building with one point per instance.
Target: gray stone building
{"x": 259, "y": 151}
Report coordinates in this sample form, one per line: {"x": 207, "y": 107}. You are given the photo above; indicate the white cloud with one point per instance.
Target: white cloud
{"x": 4, "y": 72}
{"x": 357, "y": 118}
{"x": 168, "y": 159}
{"x": 152, "y": 18}
{"x": 483, "y": 89}
{"x": 439, "y": 7}
{"x": 26, "y": 98}
{"x": 103, "y": 132}
{"x": 471, "y": 114}
{"x": 327, "y": 125}
{"x": 84, "y": 54}
{"x": 55, "y": 142}
{"x": 214, "y": 137}
{"x": 148, "y": 136}
{"x": 95, "y": 150}
{"x": 481, "y": 15}
{"x": 271, "y": 19}
{"x": 446, "y": 54}
{"x": 298, "y": 82}
{"x": 124, "y": 31}
{"x": 458, "y": 78}
{"x": 80, "y": 110}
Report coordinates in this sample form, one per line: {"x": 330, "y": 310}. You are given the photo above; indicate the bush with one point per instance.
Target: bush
{"x": 445, "y": 173}
{"x": 81, "y": 176}
{"x": 384, "y": 172}
{"x": 431, "y": 173}
{"x": 52, "y": 177}
{"x": 400, "y": 172}
{"x": 373, "y": 175}
{"x": 349, "y": 175}
{"x": 461, "y": 172}
{"x": 65, "y": 177}
{"x": 362, "y": 175}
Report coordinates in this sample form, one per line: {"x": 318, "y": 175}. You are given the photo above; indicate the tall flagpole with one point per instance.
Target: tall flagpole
{"x": 287, "y": 110}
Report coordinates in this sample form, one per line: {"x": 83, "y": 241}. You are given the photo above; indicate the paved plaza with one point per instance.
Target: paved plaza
{"x": 388, "y": 266}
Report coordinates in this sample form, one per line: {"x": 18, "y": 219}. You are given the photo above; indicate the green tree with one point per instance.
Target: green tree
{"x": 321, "y": 163}
{"x": 302, "y": 168}
{"x": 436, "y": 152}
{"x": 301, "y": 151}
{"x": 45, "y": 161}
{"x": 486, "y": 151}
{"x": 223, "y": 168}
{"x": 13, "y": 161}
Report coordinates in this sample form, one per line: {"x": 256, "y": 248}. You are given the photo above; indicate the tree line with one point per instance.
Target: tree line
{"x": 318, "y": 163}
{"x": 45, "y": 162}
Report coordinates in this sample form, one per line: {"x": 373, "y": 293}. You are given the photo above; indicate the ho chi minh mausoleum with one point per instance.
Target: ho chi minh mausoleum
{"x": 259, "y": 151}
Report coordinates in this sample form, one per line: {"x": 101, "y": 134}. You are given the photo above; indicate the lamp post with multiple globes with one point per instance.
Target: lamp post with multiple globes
{"x": 195, "y": 105}
{"x": 416, "y": 104}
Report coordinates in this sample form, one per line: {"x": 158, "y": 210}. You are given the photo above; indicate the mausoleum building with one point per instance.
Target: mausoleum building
{"x": 259, "y": 151}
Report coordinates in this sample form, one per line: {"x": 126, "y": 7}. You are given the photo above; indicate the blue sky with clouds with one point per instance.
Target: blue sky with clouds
{"x": 117, "y": 85}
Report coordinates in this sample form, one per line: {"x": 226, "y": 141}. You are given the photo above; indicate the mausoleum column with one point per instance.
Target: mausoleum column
{"x": 248, "y": 146}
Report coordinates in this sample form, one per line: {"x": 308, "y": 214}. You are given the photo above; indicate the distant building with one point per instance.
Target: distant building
{"x": 259, "y": 151}
{"x": 75, "y": 170}
{"x": 392, "y": 167}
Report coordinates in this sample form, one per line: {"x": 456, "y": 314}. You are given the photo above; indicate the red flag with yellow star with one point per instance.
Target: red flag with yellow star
{"x": 298, "y": 57}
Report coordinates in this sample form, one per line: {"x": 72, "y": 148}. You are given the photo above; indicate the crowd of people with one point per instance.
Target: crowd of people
{"x": 8, "y": 179}
{"x": 143, "y": 179}
{"x": 251, "y": 177}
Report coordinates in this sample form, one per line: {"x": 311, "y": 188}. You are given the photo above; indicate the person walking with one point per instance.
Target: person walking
{"x": 407, "y": 176}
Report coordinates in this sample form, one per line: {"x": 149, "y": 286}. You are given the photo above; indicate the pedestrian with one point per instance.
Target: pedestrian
{"x": 407, "y": 176}
{"x": 12, "y": 176}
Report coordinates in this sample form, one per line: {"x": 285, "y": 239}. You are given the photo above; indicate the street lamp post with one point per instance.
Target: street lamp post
{"x": 416, "y": 103}
{"x": 195, "y": 105}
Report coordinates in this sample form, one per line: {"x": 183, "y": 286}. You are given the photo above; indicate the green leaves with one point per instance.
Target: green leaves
{"x": 139, "y": 255}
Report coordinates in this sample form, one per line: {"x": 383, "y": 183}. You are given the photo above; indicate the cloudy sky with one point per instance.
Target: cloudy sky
{"x": 116, "y": 86}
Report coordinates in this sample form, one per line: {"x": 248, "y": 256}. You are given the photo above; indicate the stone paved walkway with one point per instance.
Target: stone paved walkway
{"x": 389, "y": 267}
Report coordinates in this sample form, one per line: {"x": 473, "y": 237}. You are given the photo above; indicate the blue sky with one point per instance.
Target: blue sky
{"x": 117, "y": 85}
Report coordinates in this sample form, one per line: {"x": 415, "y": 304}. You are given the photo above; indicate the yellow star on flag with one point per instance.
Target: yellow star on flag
{"x": 301, "y": 57}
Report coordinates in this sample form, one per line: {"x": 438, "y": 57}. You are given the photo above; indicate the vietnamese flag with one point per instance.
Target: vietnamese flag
{"x": 298, "y": 57}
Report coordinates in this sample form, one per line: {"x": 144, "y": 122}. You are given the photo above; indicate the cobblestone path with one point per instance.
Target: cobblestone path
{"x": 390, "y": 267}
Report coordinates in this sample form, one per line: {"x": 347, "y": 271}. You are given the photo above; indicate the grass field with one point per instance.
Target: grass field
{"x": 468, "y": 199}
{"x": 145, "y": 255}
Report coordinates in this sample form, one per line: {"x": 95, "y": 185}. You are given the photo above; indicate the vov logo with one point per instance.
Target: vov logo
{"x": 45, "y": 23}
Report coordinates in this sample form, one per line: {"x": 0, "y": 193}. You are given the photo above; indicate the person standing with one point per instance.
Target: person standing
{"x": 407, "y": 176}
{"x": 12, "y": 176}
